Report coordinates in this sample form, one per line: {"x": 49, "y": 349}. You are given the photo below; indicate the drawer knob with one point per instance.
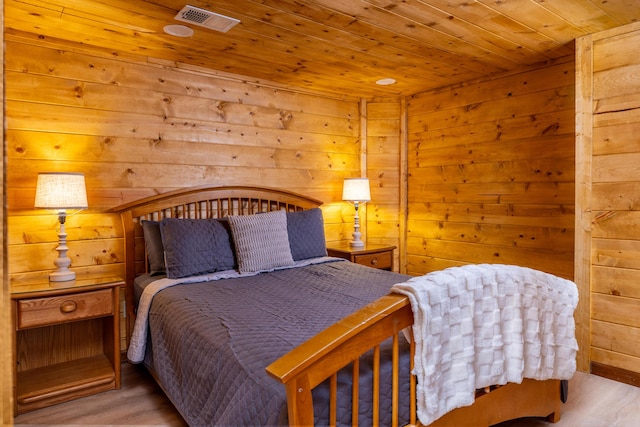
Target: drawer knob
{"x": 68, "y": 306}
{"x": 374, "y": 261}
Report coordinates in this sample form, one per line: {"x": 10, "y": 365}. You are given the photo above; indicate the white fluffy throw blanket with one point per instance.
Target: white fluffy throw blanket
{"x": 479, "y": 325}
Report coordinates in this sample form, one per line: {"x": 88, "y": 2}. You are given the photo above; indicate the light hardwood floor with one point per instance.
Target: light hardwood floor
{"x": 593, "y": 402}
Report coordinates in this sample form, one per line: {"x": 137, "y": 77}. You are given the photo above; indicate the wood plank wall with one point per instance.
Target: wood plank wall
{"x": 6, "y": 331}
{"x": 136, "y": 127}
{"x": 491, "y": 172}
{"x": 609, "y": 198}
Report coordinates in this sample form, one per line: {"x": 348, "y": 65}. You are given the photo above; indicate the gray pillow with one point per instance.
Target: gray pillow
{"x": 261, "y": 241}
{"x": 306, "y": 234}
{"x": 195, "y": 246}
{"x": 153, "y": 247}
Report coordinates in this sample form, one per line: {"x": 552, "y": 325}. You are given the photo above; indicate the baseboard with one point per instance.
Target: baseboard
{"x": 617, "y": 374}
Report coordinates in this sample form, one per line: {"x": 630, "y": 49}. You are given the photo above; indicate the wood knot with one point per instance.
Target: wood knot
{"x": 79, "y": 90}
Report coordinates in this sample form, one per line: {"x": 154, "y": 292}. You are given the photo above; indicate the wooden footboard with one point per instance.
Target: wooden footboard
{"x": 343, "y": 343}
{"x": 324, "y": 355}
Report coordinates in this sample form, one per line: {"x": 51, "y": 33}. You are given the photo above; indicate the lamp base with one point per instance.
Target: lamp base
{"x": 62, "y": 273}
{"x": 356, "y": 244}
{"x": 62, "y": 276}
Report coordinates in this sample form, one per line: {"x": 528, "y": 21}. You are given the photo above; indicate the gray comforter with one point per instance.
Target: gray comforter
{"x": 211, "y": 341}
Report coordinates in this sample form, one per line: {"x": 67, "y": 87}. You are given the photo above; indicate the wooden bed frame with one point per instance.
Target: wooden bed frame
{"x": 340, "y": 345}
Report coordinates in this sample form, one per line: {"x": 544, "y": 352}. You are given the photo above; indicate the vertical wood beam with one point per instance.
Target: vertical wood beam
{"x": 584, "y": 176}
{"x": 6, "y": 333}
{"x": 364, "y": 123}
{"x": 403, "y": 187}
{"x": 363, "y": 138}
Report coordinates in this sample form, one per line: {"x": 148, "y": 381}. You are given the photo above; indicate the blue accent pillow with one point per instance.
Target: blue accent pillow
{"x": 306, "y": 234}
{"x": 195, "y": 246}
{"x": 153, "y": 247}
{"x": 225, "y": 250}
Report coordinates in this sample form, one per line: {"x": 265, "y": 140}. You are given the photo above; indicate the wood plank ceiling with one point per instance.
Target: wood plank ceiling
{"x": 336, "y": 46}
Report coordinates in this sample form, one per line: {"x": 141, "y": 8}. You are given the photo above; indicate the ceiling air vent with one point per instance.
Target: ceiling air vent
{"x": 205, "y": 18}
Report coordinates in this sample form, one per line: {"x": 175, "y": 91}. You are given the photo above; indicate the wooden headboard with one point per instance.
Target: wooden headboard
{"x": 195, "y": 203}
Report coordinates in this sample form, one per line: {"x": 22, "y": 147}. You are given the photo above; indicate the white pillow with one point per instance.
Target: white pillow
{"x": 261, "y": 241}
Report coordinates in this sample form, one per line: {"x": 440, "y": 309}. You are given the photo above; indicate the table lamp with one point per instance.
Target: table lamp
{"x": 60, "y": 191}
{"x": 356, "y": 191}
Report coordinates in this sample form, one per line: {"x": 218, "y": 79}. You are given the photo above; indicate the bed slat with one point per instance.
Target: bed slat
{"x": 355, "y": 393}
{"x": 333, "y": 400}
{"x": 375, "y": 416}
{"x": 395, "y": 396}
{"x": 412, "y": 384}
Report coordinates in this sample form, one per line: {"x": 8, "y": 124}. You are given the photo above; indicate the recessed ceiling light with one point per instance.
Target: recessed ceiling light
{"x": 386, "y": 82}
{"x": 178, "y": 30}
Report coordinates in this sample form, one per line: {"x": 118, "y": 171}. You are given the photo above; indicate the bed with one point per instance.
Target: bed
{"x": 329, "y": 343}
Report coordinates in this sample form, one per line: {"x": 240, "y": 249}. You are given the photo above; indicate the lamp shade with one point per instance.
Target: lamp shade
{"x": 356, "y": 190}
{"x": 61, "y": 190}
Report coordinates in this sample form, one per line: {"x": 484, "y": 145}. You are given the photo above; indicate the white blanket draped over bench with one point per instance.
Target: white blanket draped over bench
{"x": 480, "y": 325}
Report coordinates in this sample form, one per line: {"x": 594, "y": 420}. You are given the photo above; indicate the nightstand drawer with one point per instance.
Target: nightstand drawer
{"x": 381, "y": 260}
{"x": 63, "y": 308}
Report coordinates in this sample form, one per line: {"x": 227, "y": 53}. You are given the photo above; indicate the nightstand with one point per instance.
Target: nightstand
{"x": 67, "y": 340}
{"x": 376, "y": 256}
